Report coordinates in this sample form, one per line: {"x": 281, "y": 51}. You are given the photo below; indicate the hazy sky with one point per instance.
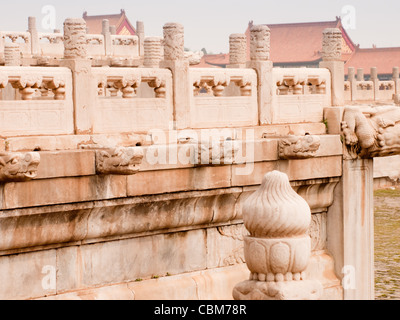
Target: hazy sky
{"x": 208, "y": 23}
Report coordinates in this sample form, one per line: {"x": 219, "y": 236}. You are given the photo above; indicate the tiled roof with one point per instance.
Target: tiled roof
{"x": 120, "y": 21}
{"x": 384, "y": 59}
{"x": 299, "y": 42}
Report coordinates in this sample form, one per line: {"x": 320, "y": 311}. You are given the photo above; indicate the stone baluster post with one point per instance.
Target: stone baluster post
{"x": 353, "y": 83}
{"x": 260, "y": 42}
{"x": 84, "y": 88}
{"x": 396, "y": 79}
{"x": 278, "y": 249}
{"x": 141, "y": 35}
{"x": 237, "y": 50}
{"x": 331, "y": 59}
{"x": 360, "y": 74}
{"x": 107, "y": 37}
{"x": 374, "y": 78}
{"x": 12, "y": 55}
{"x": 35, "y": 45}
{"x": 174, "y": 59}
{"x": 152, "y": 52}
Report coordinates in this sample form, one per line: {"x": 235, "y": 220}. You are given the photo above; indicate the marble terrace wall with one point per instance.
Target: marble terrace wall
{"x": 130, "y": 183}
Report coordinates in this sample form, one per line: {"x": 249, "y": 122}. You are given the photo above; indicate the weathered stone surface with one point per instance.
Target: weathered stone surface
{"x": 128, "y": 260}
{"x": 57, "y": 164}
{"x": 63, "y": 190}
{"x": 179, "y": 180}
{"x": 22, "y": 276}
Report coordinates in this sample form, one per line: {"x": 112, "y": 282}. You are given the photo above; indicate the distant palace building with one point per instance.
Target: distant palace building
{"x": 119, "y": 21}
{"x": 300, "y": 45}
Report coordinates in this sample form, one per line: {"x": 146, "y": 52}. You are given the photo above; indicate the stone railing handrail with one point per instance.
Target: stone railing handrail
{"x": 374, "y": 89}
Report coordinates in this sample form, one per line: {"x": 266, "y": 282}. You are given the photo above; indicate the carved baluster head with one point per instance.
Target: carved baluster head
{"x": 360, "y": 74}
{"x": 276, "y": 214}
{"x": 12, "y": 55}
{"x": 332, "y": 44}
{"x": 174, "y": 42}
{"x": 152, "y": 52}
{"x": 395, "y": 73}
{"x": 351, "y": 74}
{"x": 237, "y": 49}
{"x": 374, "y": 73}
{"x": 278, "y": 249}
{"x": 260, "y": 41}
{"x": 75, "y": 39}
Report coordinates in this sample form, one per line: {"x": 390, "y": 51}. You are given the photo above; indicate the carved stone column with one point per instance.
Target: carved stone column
{"x": 12, "y": 55}
{"x": 141, "y": 35}
{"x": 278, "y": 250}
{"x": 260, "y": 38}
{"x": 152, "y": 52}
{"x": 331, "y": 59}
{"x": 75, "y": 58}
{"x": 396, "y": 79}
{"x": 360, "y": 74}
{"x": 106, "y": 32}
{"x": 174, "y": 59}
{"x": 35, "y": 49}
{"x": 237, "y": 50}
{"x": 374, "y": 78}
{"x": 75, "y": 46}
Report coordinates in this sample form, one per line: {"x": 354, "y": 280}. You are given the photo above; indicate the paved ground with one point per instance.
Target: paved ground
{"x": 387, "y": 244}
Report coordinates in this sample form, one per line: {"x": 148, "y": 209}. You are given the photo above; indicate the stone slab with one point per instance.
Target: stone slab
{"x": 63, "y": 190}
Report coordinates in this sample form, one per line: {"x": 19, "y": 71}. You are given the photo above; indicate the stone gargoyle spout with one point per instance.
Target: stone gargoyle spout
{"x": 119, "y": 161}
{"x": 371, "y": 132}
{"x": 18, "y": 167}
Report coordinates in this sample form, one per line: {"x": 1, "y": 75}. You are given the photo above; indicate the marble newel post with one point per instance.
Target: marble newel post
{"x": 174, "y": 59}
{"x": 260, "y": 42}
{"x": 278, "y": 250}
{"x": 12, "y": 55}
{"x": 152, "y": 52}
{"x": 332, "y": 60}
{"x": 237, "y": 50}
{"x": 75, "y": 58}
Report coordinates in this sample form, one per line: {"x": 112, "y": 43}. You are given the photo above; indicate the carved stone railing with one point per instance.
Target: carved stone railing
{"x": 35, "y": 101}
{"x": 357, "y": 89}
{"x": 125, "y": 46}
{"x": 223, "y": 97}
{"x": 300, "y": 94}
{"x": 48, "y": 46}
{"x": 136, "y": 99}
{"x": 23, "y": 39}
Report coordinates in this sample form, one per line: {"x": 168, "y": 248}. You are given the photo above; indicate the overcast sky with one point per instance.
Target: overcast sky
{"x": 208, "y": 23}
